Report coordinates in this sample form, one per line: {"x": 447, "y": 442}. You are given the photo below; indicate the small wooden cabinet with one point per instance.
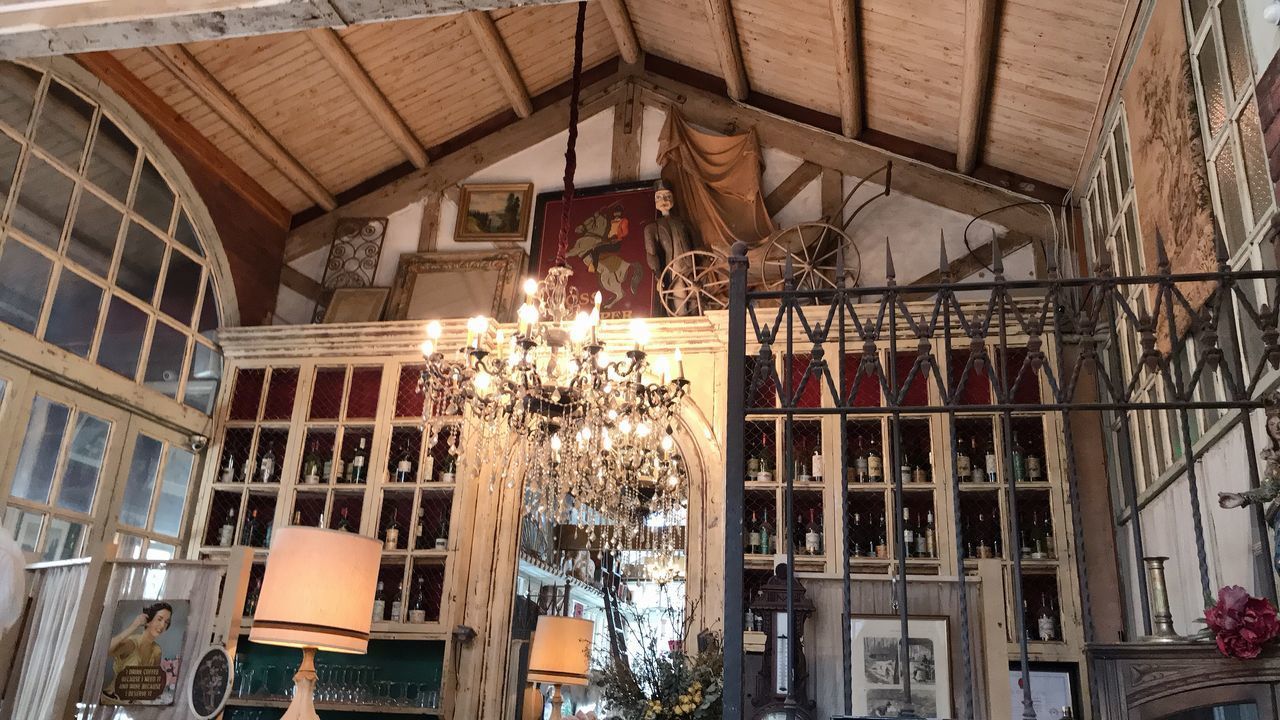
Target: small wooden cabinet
{"x": 1183, "y": 681}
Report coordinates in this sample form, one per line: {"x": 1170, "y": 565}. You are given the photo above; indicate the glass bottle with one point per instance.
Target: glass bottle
{"x": 919, "y": 475}
{"x": 313, "y": 464}
{"x": 251, "y": 599}
{"x": 976, "y": 472}
{"x": 229, "y": 470}
{"x": 379, "y": 604}
{"x": 930, "y": 541}
{"x": 813, "y": 536}
{"x": 442, "y": 538}
{"x": 753, "y": 536}
{"x": 1047, "y": 623}
{"x": 227, "y": 533}
{"x": 1019, "y": 467}
{"x": 875, "y": 468}
{"x": 249, "y": 536}
{"x": 449, "y": 472}
{"x": 344, "y": 521}
{"x": 991, "y": 461}
{"x": 391, "y": 535}
{"x": 297, "y": 517}
{"x": 962, "y": 463}
{"x": 984, "y": 547}
{"x": 908, "y": 533}
{"x": 396, "y": 604}
{"x": 267, "y": 468}
{"x": 358, "y": 458}
{"x": 418, "y": 608}
{"x": 817, "y": 465}
{"x": 404, "y": 469}
{"x": 1035, "y": 468}
{"x": 855, "y": 529}
{"x": 765, "y": 532}
{"x": 860, "y": 464}
{"x": 420, "y": 535}
{"x": 882, "y": 537}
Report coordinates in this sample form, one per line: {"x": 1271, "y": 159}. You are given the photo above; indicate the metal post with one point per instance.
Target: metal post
{"x": 788, "y": 493}
{"x": 735, "y": 474}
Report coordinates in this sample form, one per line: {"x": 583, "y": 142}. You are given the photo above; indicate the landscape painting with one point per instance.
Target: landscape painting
{"x": 494, "y": 213}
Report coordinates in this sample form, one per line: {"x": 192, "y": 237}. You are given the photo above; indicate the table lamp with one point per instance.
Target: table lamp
{"x": 560, "y": 655}
{"x": 317, "y": 594}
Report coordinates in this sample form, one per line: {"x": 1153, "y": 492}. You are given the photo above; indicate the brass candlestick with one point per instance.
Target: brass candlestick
{"x": 1158, "y": 595}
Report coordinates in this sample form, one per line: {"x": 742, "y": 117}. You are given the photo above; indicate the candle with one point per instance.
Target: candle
{"x": 476, "y": 327}
{"x": 530, "y": 289}
{"x": 679, "y": 365}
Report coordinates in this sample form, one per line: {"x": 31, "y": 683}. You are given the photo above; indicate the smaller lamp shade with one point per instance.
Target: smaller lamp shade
{"x": 561, "y": 651}
{"x": 318, "y": 590}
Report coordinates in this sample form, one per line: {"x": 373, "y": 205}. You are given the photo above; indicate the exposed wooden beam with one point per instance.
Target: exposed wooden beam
{"x": 945, "y": 188}
{"x": 1119, "y": 51}
{"x": 175, "y": 128}
{"x": 628, "y": 117}
{"x": 499, "y": 57}
{"x": 791, "y": 186}
{"x": 429, "y": 228}
{"x": 368, "y": 94}
{"x": 844, "y": 27}
{"x": 455, "y": 167}
{"x": 305, "y": 286}
{"x": 63, "y": 27}
{"x": 624, "y": 32}
{"x": 832, "y": 196}
{"x": 205, "y": 86}
{"x": 724, "y": 32}
{"x": 975, "y": 81}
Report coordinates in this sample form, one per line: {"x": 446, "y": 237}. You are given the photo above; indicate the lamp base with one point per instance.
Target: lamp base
{"x": 557, "y": 700}
{"x": 304, "y": 686}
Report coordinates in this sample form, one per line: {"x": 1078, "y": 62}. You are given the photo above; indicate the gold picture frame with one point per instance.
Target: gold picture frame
{"x": 356, "y": 305}
{"x": 494, "y": 213}
{"x": 457, "y": 284}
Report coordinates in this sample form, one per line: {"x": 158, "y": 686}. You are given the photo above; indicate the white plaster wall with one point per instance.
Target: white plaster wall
{"x": 1264, "y": 38}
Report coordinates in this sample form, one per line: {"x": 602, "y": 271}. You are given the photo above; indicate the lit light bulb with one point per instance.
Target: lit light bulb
{"x": 527, "y": 315}
{"x": 433, "y": 330}
{"x": 640, "y": 332}
{"x": 530, "y": 289}
{"x": 667, "y": 443}
{"x": 606, "y": 441}
{"x": 580, "y": 329}
{"x": 642, "y": 430}
{"x": 483, "y": 383}
{"x": 428, "y": 348}
{"x": 556, "y": 442}
{"x": 661, "y": 368}
{"x": 679, "y": 365}
{"x": 672, "y": 480}
{"x": 625, "y": 425}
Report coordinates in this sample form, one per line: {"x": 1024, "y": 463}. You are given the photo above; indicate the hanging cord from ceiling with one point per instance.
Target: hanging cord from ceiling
{"x": 570, "y": 151}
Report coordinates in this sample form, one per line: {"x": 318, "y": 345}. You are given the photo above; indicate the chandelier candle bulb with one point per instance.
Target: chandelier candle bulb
{"x": 679, "y": 365}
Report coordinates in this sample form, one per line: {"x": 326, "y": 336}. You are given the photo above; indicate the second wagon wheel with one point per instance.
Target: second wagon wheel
{"x": 812, "y": 248}
{"x": 693, "y": 283}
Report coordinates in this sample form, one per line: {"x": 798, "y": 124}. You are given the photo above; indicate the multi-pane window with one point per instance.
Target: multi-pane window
{"x": 1110, "y": 208}
{"x": 98, "y": 254}
{"x": 157, "y": 484}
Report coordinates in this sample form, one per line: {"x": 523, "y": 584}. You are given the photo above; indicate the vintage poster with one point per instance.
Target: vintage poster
{"x": 145, "y": 652}
{"x": 606, "y": 246}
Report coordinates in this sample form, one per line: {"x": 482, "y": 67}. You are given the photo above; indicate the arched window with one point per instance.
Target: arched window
{"x": 98, "y": 252}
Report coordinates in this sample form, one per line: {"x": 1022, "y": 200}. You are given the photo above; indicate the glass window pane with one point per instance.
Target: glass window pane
{"x": 42, "y": 202}
{"x": 17, "y": 94}
{"x": 1255, "y": 161}
{"x": 1229, "y": 193}
{"x": 112, "y": 160}
{"x": 185, "y": 233}
{"x": 84, "y": 463}
{"x": 1237, "y": 48}
{"x": 1122, "y": 158}
{"x": 160, "y": 551}
{"x": 164, "y": 363}
{"x": 173, "y": 492}
{"x": 23, "y": 526}
{"x": 1134, "y": 248}
{"x": 1198, "y": 9}
{"x": 153, "y": 199}
{"x": 94, "y": 233}
{"x": 129, "y": 546}
{"x": 122, "y": 336}
{"x": 24, "y": 276}
{"x": 1214, "y": 101}
{"x": 209, "y": 321}
{"x": 74, "y": 314}
{"x": 181, "y": 287}
{"x": 203, "y": 378}
{"x": 63, "y": 539}
{"x": 38, "y": 459}
{"x": 9, "y": 152}
{"x": 141, "y": 262}
{"x": 64, "y": 124}
{"x": 141, "y": 481}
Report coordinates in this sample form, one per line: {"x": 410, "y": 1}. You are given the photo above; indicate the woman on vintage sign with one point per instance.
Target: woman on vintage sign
{"x": 136, "y": 645}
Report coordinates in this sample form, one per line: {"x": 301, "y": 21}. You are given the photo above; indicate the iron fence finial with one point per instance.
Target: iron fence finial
{"x": 944, "y": 264}
{"x": 889, "y": 273}
{"x": 997, "y": 260}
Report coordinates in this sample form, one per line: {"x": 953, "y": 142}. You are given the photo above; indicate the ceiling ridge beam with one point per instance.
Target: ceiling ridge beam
{"x": 624, "y": 31}
{"x": 791, "y": 186}
{"x": 848, "y": 65}
{"x": 495, "y": 50}
{"x": 975, "y": 83}
{"x": 725, "y": 33}
{"x": 546, "y": 122}
{"x": 345, "y": 64}
{"x": 205, "y": 86}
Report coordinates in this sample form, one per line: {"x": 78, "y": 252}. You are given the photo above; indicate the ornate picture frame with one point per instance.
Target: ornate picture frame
{"x": 875, "y": 665}
{"x": 495, "y": 212}
{"x": 457, "y": 284}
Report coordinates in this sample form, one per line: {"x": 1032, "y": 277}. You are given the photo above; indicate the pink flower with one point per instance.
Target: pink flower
{"x": 1241, "y": 624}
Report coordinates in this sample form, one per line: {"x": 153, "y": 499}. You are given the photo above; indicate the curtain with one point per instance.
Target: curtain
{"x": 58, "y": 592}
{"x": 716, "y": 179}
{"x": 196, "y": 584}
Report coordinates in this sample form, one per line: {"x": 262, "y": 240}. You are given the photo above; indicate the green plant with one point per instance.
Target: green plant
{"x": 665, "y": 683}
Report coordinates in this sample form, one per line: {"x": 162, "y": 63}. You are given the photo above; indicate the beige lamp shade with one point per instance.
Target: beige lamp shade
{"x": 318, "y": 590}
{"x": 561, "y": 650}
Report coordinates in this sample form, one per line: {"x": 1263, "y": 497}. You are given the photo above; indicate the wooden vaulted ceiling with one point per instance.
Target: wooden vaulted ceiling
{"x": 1034, "y": 91}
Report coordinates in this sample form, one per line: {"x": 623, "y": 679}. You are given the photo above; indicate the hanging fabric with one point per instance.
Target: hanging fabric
{"x": 58, "y": 592}
{"x": 717, "y": 182}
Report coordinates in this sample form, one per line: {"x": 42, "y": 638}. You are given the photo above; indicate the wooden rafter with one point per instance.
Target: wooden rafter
{"x": 791, "y": 186}
{"x": 205, "y": 86}
{"x": 499, "y": 57}
{"x": 844, "y": 27}
{"x": 975, "y": 84}
{"x": 628, "y": 118}
{"x": 367, "y": 93}
{"x": 725, "y": 33}
{"x": 624, "y": 32}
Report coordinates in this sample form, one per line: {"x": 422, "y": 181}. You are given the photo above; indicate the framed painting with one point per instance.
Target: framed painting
{"x": 878, "y": 682}
{"x": 457, "y": 285}
{"x": 1055, "y": 687}
{"x": 606, "y": 246}
{"x": 493, "y": 213}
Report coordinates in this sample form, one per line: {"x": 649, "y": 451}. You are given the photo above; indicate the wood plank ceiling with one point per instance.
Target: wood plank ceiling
{"x": 905, "y": 71}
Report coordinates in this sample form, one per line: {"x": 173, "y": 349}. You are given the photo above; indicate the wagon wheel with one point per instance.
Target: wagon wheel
{"x": 812, "y": 248}
{"x": 693, "y": 283}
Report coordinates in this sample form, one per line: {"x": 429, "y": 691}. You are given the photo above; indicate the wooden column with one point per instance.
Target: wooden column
{"x": 975, "y": 84}
{"x": 628, "y": 119}
{"x": 725, "y": 34}
{"x": 844, "y": 27}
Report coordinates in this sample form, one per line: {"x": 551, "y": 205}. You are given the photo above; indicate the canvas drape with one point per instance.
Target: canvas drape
{"x": 58, "y": 592}
{"x": 716, "y": 179}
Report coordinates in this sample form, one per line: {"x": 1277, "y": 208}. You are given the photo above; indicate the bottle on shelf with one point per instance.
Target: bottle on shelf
{"x": 860, "y": 464}
{"x": 396, "y": 603}
{"x": 391, "y": 534}
{"x": 1046, "y": 534}
{"x": 908, "y": 532}
{"x": 817, "y": 465}
{"x": 753, "y": 467}
{"x": 904, "y": 471}
{"x": 420, "y": 534}
{"x": 229, "y": 470}
{"x": 766, "y": 462}
{"x": 919, "y": 474}
{"x": 985, "y": 551}
{"x": 251, "y": 598}
{"x": 875, "y": 468}
{"x": 357, "y": 469}
{"x": 1047, "y": 622}
{"x": 404, "y": 469}
{"x": 991, "y": 461}
{"x": 882, "y": 539}
{"x": 379, "y": 604}
{"x": 297, "y": 517}
{"x": 813, "y": 536}
{"x": 448, "y": 473}
{"x": 442, "y": 537}
{"x": 266, "y": 532}
{"x": 227, "y": 533}
{"x": 798, "y": 530}
{"x": 267, "y": 467}
{"x": 930, "y": 539}
{"x": 753, "y": 536}
{"x": 418, "y": 608}
{"x": 1035, "y": 468}
{"x": 249, "y": 535}
{"x": 963, "y": 466}
{"x": 246, "y": 470}
{"x": 344, "y": 521}
{"x": 977, "y": 472}
{"x": 766, "y": 532}
{"x": 855, "y": 530}
{"x": 312, "y": 465}
{"x": 1019, "y": 467}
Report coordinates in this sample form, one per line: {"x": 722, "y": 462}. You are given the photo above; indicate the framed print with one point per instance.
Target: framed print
{"x": 457, "y": 285}
{"x": 493, "y": 213}
{"x": 210, "y": 684}
{"x": 878, "y": 673}
{"x": 606, "y": 246}
{"x": 356, "y": 305}
{"x": 1054, "y": 687}
{"x": 145, "y": 652}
